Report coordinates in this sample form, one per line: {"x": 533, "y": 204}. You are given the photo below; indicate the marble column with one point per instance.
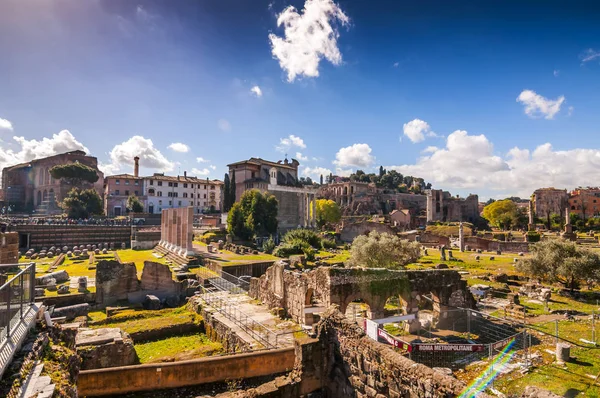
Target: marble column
{"x": 162, "y": 228}
{"x": 169, "y": 229}
{"x": 300, "y": 208}
{"x": 314, "y": 214}
{"x": 178, "y": 230}
{"x": 189, "y": 231}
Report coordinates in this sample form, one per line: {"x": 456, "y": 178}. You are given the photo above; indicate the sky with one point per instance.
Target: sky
{"x": 495, "y": 98}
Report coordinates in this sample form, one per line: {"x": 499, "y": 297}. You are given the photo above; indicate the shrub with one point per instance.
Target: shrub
{"x": 533, "y": 236}
{"x": 268, "y": 246}
{"x": 309, "y": 253}
{"x": 328, "y": 244}
{"x": 296, "y": 246}
{"x": 305, "y": 235}
{"x": 500, "y": 236}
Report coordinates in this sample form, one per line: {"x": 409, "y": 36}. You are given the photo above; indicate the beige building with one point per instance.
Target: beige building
{"x": 585, "y": 202}
{"x": 442, "y": 206}
{"x": 400, "y": 218}
{"x": 547, "y": 201}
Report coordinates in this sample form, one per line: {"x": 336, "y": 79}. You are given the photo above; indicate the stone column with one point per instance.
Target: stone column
{"x": 167, "y": 228}
{"x": 172, "y": 229}
{"x": 301, "y": 209}
{"x": 178, "y": 230}
{"x": 306, "y": 210}
{"x": 461, "y": 237}
{"x": 189, "y": 231}
{"x": 162, "y": 228}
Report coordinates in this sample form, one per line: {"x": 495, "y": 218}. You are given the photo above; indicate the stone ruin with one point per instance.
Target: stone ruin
{"x": 536, "y": 292}
{"x": 176, "y": 230}
{"x": 301, "y": 294}
{"x": 104, "y": 348}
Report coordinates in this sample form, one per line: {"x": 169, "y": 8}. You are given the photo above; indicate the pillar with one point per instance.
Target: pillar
{"x": 189, "y": 231}
{"x": 301, "y": 209}
{"x": 162, "y": 228}
{"x": 178, "y": 231}
{"x": 314, "y": 212}
{"x": 169, "y": 228}
{"x": 306, "y": 210}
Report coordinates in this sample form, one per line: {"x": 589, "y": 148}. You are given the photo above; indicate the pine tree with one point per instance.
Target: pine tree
{"x": 232, "y": 189}
{"x": 381, "y": 171}
{"x": 226, "y": 194}
{"x": 321, "y": 179}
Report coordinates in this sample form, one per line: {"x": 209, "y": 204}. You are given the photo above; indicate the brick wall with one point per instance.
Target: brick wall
{"x": 71, "y": 235}
{"x": 9, "y": 248}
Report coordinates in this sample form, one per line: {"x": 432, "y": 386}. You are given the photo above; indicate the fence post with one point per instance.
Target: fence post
{"x": 8, "y": 317}
{"x": 556, "y": 329}
{"x": 32, "y": 282}
{"x": 594, "y": 326}
{"x": 468, "y": 324}
{"x": 21, "y": 293}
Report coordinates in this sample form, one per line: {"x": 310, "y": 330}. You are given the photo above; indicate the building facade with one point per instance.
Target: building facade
{"x": 296, "y": 203}
{"x": 30, "y": 187}
{"x": 585, "y": 202}
{"x": 167, "y": 192}
{"x": 547, "y": 201}
{"x": 442, "y": 206}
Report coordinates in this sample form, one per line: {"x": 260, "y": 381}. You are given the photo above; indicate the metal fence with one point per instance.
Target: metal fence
{"x": 17, "y": 295}
{"x": 224, "y": 281}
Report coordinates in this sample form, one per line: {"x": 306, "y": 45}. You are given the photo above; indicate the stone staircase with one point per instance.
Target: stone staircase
{"x": 176, "y": 258}
{"x": 36, "y": 385}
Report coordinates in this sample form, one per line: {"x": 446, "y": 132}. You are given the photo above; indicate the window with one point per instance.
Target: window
{"x": 212, "y": 187}
{"x": 126, "y": 192}
{"x": 191, "y": 203}
{"x": 169, "y": 194}
{"x": 117, "y": 192}
{"x": 185, "y": 194}
{"x": 126, "y": 182}
{"x": 137, "y": 182}
{"x": 117, "y": 182}
{"x": 184, "y": 185}
{"x": 205, "y": 204}
{"x": 204, "y": 196}
{"x": 175, "y": 184}
{"x": 170, "y": 203}
{"x": 151, "y": 192}
{"x": 159, "y": 183}
{"x": 594, "y": 200}
{"x": 135, "y": 193}
{"x": 180, "y": 203}
{"x": 160, "y": 202}
{"x": 151, "y": 182}
{"x": 253, "y": 174}
{"x": 191, "y": 195}
{"x": 170, "y": 184}
{"x": 159, "y": 193}
{"x": 205, "y": 187}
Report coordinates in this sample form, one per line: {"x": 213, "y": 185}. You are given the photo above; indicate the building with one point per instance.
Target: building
{"x": 29, "y": 186}
{"x": 118, "y": 188}
{"x": 585, "y": 202}
{"x": 547, "y": 201}
{"x": 166, "y": 192}
{"x": 281, "y": 180}
{"x": 400, "y": 218}
{"x": 347, "y": 192}
{"x": 442, "y": 206}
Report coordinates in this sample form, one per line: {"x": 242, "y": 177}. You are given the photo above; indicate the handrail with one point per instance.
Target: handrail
{"x": 32, "y": 264}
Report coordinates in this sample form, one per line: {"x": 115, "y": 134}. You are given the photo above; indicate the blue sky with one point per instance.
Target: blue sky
{"x": 495, "y": 97}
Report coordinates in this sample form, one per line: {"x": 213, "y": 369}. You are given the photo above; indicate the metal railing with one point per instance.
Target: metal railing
{"x": 223, "y": 280}
{"x": 16, "y": 296}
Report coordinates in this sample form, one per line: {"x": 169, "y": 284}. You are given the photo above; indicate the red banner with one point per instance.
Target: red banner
{"x": 388, "y": 338}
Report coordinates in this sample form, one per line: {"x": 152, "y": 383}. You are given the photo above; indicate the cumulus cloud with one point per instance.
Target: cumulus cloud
{"x": 224, "y": 125}
{"x": 5, "y": 124}
{"x": 430, "y": 149}
{"x": 309, "y": 36}
{"x": 28, "y": 150}
{"x": 179, "y": 147}
{"x": 589, "y": 55}
{"x": 417, "y": 129}
{"x": 290, "y": 141}
{"x": 301, "y": 157}
{"x": 201, "y": 172}
{"x": 150, "y": 157}
{"x": 202, "y": 160}
{"x": 256, "y": 91}
{"x": 357, "y": 155}
{"x": 468, "y": 162}
{"x": 316, "y": 172}
{"x": 538, "y": 106}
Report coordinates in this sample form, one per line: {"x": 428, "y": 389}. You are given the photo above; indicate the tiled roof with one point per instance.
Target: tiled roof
{"x": 259, "y": 161}
{"x": 193, "y": 180}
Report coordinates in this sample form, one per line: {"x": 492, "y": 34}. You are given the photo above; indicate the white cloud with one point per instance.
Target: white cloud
{"x": 202, "y": 160}
{"x": 301, "y": 157}
{"x": 179, "y": 147}
{"x": 256, "y": 91}
{"x": 213, "y": 167}
{"x": 316, "y": 172}
{"x": 308, "y": 37}
{"x": 291, "y": 141}
{"x": 468, "y": 162}
{"x": 430, "y": 149}
{"x": 357, "y": 155}
{"x": 417, "y": 129}
{"x": 556, "y": 72}
{"x": 150, "y": 157}
{"x": 28, "y": 150}
{"x": 537, "y": 106}
{"x": 224, "y": 125}
{"x": 589, "y": 55}
{"x": 201, "y": 173}
{"x": 5, "y": 124}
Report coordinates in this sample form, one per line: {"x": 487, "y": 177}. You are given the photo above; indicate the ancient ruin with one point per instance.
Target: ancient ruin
{"x": 177, "y": 230}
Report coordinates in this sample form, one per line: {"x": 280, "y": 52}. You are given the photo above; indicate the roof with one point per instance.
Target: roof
{"x": 260, "y": 162}
{"x": 124, "y": 176}
{"x": 190, "y": 179}
{"x": 29, "y": 163}
{"x": 404, "y": 211}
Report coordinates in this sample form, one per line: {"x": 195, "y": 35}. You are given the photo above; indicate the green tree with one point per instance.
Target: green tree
{"x": 74, "y": 173}
{"x": 232, "y": 189}
{"x": 321, "y": 180}
{"x": 134, "y": 205}
{"x": 382, "y": 251}
{"x": 328, "y": 211}
{"x": 558, "y": 261}
{"x": 501, "y": 213}
{"x": 381, "y": 171}
{"x": 226, "y": 194}
{"x": 82, "y": 203}
{"x": 254, "y": 214}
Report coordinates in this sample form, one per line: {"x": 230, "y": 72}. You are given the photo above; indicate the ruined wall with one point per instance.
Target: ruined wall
{"x": 427, "y": 239}
{"x": 475, "y": 242}
{"x": 356, "y": 366}
{"x": 9, "y": 248}
{"x": 351, "y": 231}
{"x": 74, "y": 235}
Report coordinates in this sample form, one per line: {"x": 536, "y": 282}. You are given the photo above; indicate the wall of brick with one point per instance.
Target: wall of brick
{"x": 9, "y": 248}
{"x": 71, "y": 235}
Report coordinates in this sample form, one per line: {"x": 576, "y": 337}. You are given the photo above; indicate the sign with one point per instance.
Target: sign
{"x": 449, "y": 347}
{"x": 502, "y": 343}
{"x": 371, "y": 329}
{"x": 388, "y": 338}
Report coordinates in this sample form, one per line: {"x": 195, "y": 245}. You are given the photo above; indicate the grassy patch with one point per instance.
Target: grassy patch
{"x": 177, "y": 348}
{"x": 134, "y": 321}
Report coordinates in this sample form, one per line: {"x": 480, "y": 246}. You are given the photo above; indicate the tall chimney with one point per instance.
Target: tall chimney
{"x": 136, "y": 166}
{"x": 184, "y": 174}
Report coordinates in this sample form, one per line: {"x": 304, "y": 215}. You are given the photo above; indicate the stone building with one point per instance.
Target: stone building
{"x": 30, "y": 187}
{"x": 548, "y": 201}
{"x": 167, "y": 192}
{"x": 585, "y": 202}
{"x": 442, "y": 206}
{"x": 346, "y": 193}
{"x": 297, "y": 203}
{"x": 117, "y": 189}
{"x": 400, "y": 218}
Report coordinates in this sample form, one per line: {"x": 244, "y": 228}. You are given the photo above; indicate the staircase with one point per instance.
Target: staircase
{"x": 176, "y": 258}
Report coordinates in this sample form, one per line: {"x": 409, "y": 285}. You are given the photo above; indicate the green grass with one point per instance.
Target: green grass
{"x": 137, "y": 320}
{"x": 177, "y": 348}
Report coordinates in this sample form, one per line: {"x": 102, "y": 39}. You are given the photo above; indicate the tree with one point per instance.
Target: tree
{"x": 226, "y": 194}
{"x": 134, "y": 205}
{"x": 321, "y": 180}
{"x": 82, "y": 203}
{"x": 232, "y": 189}
{"x": 74, "y": 173}
{"x": 561, "y": 261}
{"x": 254, "y": 214}
{"x": 381, "y": 171}
{"x": 382, "y": 250}
{"x": 328, "y": 211}
{"x": 501, "y": 213}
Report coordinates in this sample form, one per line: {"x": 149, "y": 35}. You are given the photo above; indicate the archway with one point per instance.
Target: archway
{"x": 39, "y": 198}
{"x": 309, "y": 297}
{"x": 357, "y": 310}
{"x": 45, "y": 196}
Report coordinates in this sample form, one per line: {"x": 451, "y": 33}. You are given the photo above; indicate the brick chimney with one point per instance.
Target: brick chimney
{"x": 184, "y": 174}
{"x": 136, "y": 166}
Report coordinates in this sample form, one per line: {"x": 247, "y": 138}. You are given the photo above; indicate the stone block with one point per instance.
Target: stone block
{"x": 72, "y": 311}
{"x": 105, "y": 348}
{"x": 152, "y": 302}
{"x": 63, "y": 289}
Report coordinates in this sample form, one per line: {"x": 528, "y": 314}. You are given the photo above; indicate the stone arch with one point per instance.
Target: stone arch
{"x": 309, "y": 296}
{"x": 45, "y": 195}
{"x": 39, "y": 198}
{"x": 345, "y": 190}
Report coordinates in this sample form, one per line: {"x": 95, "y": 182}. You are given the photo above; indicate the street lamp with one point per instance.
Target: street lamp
{"x": 7, "y": 202}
